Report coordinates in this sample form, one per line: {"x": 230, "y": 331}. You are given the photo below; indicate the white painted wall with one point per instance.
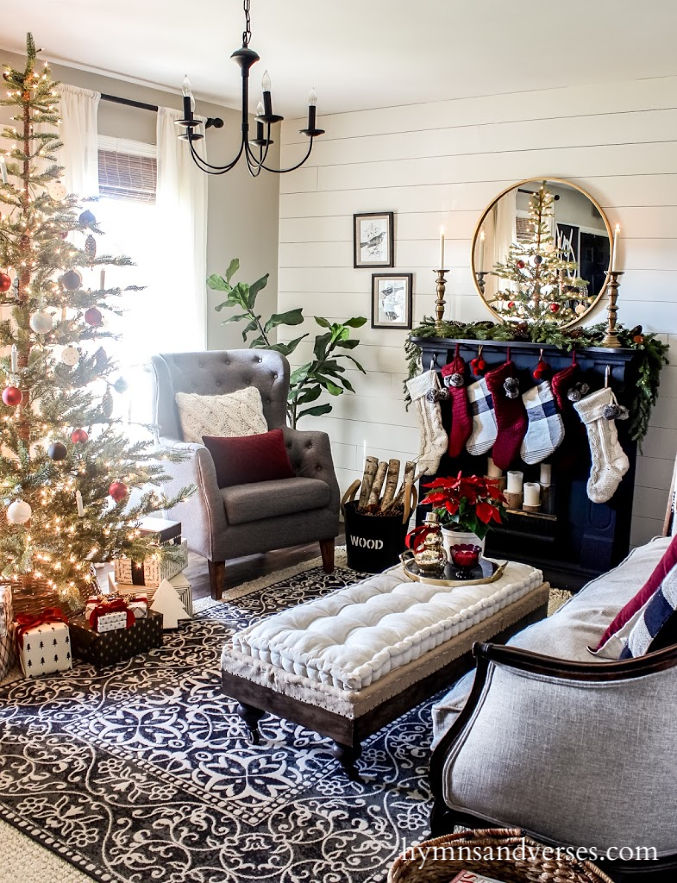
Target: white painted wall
{"x": 441, "y": 163}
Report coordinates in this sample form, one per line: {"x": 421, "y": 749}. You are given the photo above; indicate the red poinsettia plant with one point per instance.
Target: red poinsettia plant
{"x": 466, "y": 503}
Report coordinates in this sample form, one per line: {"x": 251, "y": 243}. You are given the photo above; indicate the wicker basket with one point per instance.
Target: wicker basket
{"x": 30, "y": 595}
{"x": 428, "y": 863}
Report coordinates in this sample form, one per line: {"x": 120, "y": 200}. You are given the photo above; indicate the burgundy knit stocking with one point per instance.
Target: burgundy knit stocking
{"x": 511, "y": 416}
{"x": 453, "y": 376}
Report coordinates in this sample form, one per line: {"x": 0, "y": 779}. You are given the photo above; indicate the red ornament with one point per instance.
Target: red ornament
{"x": 79, "y": 436}
{"x": 511, "y": 305}
{"x": 5, "y": 282}
{"x": 93, "y": 317}
{"x": 554, "y": 308}
{"x": 118, "y": 491}
{"x": 478, "y": 366}
{"x": 12, "y": 396}
{"x": 521, "y": 264}
{"x": 542, "y": 370}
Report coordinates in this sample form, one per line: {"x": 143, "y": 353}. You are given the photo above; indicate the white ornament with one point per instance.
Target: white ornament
{"x": 57, "y": 190}
{"x": 41, "y": 322}
{"x": 69, "y": 356}
{"x": 18, "y": 512}
{"x": 167, "y": 601}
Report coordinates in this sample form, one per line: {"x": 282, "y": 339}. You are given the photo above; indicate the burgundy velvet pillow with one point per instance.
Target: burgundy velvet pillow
{"x": 649, "y": 588}
{"x": 249, "y": 458}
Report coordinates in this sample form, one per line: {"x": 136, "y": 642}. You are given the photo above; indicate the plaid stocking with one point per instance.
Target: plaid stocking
{"x": 433, "y": 439}
{"x": 461, "y": 418}
{"x": 545, "y": 430}
{"x": 484, "y": 428}
{"x": 609, "y": 461}
{"x": 511, "y": 418}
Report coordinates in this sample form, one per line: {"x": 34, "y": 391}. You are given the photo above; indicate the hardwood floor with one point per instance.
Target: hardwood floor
{"x": 241, "y": 570}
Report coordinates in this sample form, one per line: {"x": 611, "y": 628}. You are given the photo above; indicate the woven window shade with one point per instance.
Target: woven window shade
{"x": 127, "y": 176}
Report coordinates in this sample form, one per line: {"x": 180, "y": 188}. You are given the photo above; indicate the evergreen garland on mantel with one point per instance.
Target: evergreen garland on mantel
{"x": 650, "y": 353}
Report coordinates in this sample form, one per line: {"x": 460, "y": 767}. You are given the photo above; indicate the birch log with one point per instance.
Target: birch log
{"x": 390, "y": 485}
{"x": 408, "y": 477}
{"x": 370, "y": 467}
{"x": 375, "y": 494}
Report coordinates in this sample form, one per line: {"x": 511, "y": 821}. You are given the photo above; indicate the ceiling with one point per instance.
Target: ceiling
{"x": 357, "y": 54}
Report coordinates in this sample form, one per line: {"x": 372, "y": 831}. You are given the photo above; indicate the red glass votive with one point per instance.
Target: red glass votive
{"x": 465, "y": 555}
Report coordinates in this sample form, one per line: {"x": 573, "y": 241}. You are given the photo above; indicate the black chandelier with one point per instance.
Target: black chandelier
{"x": 255, "y": 150}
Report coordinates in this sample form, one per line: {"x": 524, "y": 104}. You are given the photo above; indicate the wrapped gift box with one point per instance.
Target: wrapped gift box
{"x": 162, "y": 529}
{"x": 179, "y": 582}
{"x": 111, "y": 647}
{"x": 6, "y": 633}
{"x": 45, "y": 647}
{"x": 105, "y": 614}
{"x": 153, "y": 570}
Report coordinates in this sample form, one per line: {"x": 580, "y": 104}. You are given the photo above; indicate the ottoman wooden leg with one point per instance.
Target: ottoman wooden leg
{"x": 346, "y": 756}
{"x": 251, "y": 716}
{"x": 327, "y": 551}
{"x": 217, "y": 577}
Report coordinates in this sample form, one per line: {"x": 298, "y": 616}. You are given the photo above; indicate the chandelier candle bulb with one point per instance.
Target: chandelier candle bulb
{"x": 187, "y": 99}
{"x": 259, "y": 124}
{"x": 312, "y": 109}
{"x": 265, "y": 89}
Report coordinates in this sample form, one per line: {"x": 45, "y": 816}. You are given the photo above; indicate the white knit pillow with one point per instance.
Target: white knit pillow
{"x": 233, "y": 414}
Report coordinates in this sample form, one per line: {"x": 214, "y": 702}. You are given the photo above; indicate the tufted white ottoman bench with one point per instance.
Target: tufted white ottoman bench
{"x": 347, "y": 664}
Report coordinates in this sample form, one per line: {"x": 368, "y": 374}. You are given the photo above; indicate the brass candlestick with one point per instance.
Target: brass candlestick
{"x": 440, "y": 285}
{"x": 611, "y": 339}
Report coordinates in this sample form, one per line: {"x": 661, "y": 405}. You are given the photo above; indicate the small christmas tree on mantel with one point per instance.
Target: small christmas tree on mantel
{"x": 66, "y": 473}
{"x": 546, "y": 286}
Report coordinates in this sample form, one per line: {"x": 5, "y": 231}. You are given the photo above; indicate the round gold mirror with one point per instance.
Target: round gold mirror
{"x": 541, "y": 253}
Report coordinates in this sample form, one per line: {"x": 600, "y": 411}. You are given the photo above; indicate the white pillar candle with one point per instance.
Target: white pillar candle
{"x": 492, "y": 470}
{"x": 515, "y": 482}
{"x": 532, "y": 493}
{"x": 441, "y": 248}
{"x": 546, "y": 475}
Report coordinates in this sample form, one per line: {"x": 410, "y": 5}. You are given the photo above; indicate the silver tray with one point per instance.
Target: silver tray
{"x": 487, "y": 571}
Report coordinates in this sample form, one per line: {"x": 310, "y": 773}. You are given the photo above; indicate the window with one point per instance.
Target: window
{"x": 126, "y": 214}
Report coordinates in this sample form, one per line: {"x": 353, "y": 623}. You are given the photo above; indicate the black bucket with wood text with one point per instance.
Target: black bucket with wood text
{"x": 373, "y": 542}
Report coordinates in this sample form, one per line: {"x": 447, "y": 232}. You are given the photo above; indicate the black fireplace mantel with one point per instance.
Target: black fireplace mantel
{"x": 583, "y": 539}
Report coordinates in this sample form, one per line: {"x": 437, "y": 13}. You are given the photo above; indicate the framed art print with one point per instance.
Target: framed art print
{"x": 391, "y": 298}
{"x": 373, "y": 244}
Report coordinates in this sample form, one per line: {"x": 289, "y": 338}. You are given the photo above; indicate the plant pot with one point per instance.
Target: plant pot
{"x": 456, "y": 537}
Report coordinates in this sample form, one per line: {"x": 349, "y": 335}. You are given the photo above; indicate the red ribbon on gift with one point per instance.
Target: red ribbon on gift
{"x": 27, "y": 621}
{"x": 105, "y": 607}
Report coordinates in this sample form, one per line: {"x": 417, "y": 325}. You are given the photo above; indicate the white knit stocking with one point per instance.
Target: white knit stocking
{"x": 433, "y": 441}
{"x": 609, "y": 462}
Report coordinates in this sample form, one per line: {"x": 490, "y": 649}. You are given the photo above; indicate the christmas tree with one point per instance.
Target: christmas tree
{"x": 546, "y": 286}
{"x": 66, "y": 472}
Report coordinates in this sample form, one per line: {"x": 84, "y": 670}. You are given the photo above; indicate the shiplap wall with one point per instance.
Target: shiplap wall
{"x": 441, "y": 163}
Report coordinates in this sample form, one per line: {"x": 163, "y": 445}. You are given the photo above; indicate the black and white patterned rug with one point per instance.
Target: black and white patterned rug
{"x": 144, "y": 772}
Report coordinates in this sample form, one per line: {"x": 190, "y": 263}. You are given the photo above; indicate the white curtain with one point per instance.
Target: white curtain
{"x": 78, "y": 131}
{"x": 182, "y": 219}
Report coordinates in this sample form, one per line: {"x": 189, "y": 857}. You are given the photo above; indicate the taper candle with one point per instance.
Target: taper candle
{"x": 614, "y": 248}
{"x": 441, "y": 248}
{"x": 481, "y": 255}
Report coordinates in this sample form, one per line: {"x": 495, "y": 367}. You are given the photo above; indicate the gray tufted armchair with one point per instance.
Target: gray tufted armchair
{"x": 249, "y": 518}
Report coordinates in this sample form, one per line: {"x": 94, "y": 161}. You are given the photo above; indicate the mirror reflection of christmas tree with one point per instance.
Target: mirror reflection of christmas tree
{"x": 545, "y": 282}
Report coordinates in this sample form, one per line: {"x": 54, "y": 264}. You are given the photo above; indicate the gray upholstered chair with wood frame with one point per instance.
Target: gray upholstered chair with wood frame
{"x": 250, "y": 518}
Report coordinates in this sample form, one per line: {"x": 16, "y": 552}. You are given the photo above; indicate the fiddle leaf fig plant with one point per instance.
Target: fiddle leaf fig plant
{"x": 325, "y": 372}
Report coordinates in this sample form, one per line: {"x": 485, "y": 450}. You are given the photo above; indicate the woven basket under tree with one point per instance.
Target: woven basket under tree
{"x": 427, "y": 862}
{"x": 31, "y": 596}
